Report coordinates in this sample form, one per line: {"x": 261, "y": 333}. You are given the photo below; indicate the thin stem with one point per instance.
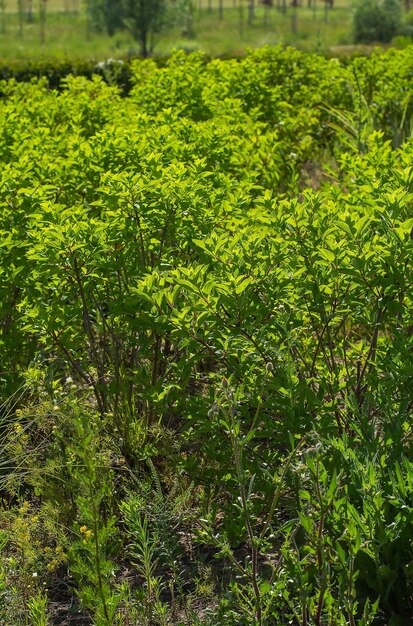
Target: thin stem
{"x": 244, "y": 503}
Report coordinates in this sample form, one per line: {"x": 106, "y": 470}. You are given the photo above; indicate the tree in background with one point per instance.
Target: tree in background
{"x": 183, "y": 13}
{"x": 392, "y": 19}
{"x": 104, "y": 15}
{"x": 377, "y": 20}
{"x": 145, "y": 19}
{"x": 112, "y": 15}
{"x": 42, "y": 20}
{"x": 3, "y": 15}
{"x": 29, "y": 11}
{"x": 94, "y": 22}
{"x": 21, "y": 8}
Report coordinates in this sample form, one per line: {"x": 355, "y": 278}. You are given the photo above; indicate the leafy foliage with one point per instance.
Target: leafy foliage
{"x": 206, "y": 334}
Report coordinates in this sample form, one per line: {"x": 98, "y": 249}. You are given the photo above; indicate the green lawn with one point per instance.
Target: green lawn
{"x": 66, "y": 31}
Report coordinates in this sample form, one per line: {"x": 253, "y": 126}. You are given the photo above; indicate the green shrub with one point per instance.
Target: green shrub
{"x": 207, "y": 412}
{"x": 55, "y": 72}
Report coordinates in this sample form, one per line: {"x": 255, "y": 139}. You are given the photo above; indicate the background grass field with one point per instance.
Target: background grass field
{"x": 67, "y": 34}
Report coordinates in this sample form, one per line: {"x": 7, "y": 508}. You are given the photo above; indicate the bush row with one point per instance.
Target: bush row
{"x": 206, "y": 312}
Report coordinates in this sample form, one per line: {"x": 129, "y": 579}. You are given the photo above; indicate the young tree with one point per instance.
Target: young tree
{"x": 21, "y": 8}
{"x": 29, "y": 11}
{"x": 392, "y": 18}
{"x": 3, "y": 15}
{"x": 104, "y": 15}
{"x": 376, "y": 20}
{"x": 184, "y": 14}
{"x": 251, "y": 11}
{"x": 42, "y": 20}
{"x": 112, "y": 15}
{"x": 145, "y": 19}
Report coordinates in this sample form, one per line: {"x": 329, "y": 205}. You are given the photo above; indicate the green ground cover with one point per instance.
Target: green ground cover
{"x": 206, "y": 313}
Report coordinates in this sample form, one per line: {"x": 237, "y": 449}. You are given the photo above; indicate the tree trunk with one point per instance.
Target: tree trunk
{"x": 267, "y": 8}
{"x": 294, "y": 18}
{"x": 21, "y": 17}
{"x": 29, "y": 11}
{"x": 42, "y": 20}
{"x": 251, "y": 12}
{"x": 144, "y": 43}
{"x": 3, "y": 15}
